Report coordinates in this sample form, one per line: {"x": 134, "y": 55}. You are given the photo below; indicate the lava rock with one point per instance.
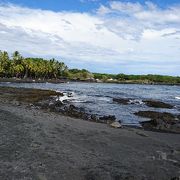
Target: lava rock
{"x": 156, "y": 115}
{"x": 121, "y": 101}
{"x": 107, "y": 119}
{"x": 157, "y": 104}
{"x": 110, "y": 117}
{"x": 94, "y": 118}
{"x": 76, "y": 112}
{"x": 58, "y": 103}
{"x": 72, "y": 107}
{"x": 160, "y": 121}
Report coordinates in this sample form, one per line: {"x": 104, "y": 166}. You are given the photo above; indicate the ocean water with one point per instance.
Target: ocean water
{"x": 97, "y": 98}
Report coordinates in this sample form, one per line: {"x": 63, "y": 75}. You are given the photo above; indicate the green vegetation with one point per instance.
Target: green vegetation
{"x": 150, "y": 78}
{"x": 77, "y": 74}
{"x": 20, "y": 67}
{"x": 39, "y": 68}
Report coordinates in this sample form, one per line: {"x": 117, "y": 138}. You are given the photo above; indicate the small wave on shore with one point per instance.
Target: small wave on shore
{"x": 72, "y": 97}
{"x": 136, "y": 101}
{"x": 66, "y": 96}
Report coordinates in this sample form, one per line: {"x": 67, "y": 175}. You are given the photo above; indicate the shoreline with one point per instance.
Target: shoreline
{"x": 41, "y": 144}
{"x": 57, "y": 81}
{"x": 55, "y": 101}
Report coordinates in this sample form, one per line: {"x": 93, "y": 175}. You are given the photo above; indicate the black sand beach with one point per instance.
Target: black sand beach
{"x": 38, "y": 144}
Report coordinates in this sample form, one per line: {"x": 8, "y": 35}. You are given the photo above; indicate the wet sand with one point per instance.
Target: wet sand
{"x": 37, "y": 144}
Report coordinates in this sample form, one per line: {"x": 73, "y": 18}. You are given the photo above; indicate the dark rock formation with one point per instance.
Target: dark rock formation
{"x": 150, "y": 103}
{"x": 73, "y": 111}
{"x": 58, "y": 103}
{"x": 94, "y": 118}
{"x": 107, "y": 119}
{"x": 165, "y": 122}
{"x": 157, "y": 104}
{"x": 121, "y": 101}
{"x": 156, "y": 115}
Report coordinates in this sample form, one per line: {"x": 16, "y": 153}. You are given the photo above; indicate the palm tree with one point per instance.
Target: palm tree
{"x": 31, "y": 67}
{"x": 18, "y": 64}
{"x": 4, "y": 63}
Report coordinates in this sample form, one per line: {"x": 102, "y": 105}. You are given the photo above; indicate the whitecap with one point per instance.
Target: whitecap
{"x": 177, "y": 97}
{"x": 136, "y": 101}
{"x": 66, "y": 96}
{"x": 104, "y": 99}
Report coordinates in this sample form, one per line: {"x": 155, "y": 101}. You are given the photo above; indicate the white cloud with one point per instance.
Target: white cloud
{"x": 126, "y": 7}
{"x": 117, "y": 34}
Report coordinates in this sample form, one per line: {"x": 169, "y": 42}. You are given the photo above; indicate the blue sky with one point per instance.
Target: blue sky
{"x": 112, "y": 36}
{"x": 78, "y": 5}
{"x": 57, "y": 5}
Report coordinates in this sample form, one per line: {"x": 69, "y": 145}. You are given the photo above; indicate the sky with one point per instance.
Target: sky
{"x": 108, "y": 36}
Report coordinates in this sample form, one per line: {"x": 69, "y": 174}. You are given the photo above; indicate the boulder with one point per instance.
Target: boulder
{"x": 116, "y": 124}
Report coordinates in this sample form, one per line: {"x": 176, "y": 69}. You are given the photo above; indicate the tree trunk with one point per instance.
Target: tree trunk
{"x": 26, "y": 73}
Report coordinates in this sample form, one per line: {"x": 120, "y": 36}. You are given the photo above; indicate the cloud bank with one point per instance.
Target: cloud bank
{"x": 119, "y": 37}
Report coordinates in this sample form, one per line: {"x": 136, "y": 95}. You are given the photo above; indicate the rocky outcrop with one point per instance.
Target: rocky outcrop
{"x": 107, "y": 119}
{"x": 157, "y": 104}
{"x": 121, "y": 101}
{"x": 110, "y": 117}
{"x": 73, "y": 111}
{"x": 160, "y": 121}
{"x": 150, "y": 103}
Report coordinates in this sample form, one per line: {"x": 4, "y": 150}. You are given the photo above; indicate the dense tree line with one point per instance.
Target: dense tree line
{"x": 80, "y": 74}
{"x": 138, "y": 78}
{"x": 20, "y": 67}
{"x": 35, "y": 68}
